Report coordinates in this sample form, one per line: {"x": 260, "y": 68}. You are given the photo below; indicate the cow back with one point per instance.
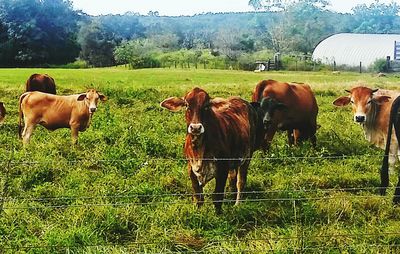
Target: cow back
{"x": 40, "y": 82}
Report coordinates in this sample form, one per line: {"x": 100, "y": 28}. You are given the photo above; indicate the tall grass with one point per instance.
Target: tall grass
{"x": 124, "y": 187}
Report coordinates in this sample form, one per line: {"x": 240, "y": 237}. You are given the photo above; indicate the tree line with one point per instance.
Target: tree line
{"x": 51, "y": 33}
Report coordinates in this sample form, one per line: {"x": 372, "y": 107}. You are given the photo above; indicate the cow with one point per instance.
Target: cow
{"x": 54, "y": 112}
{"x": 394, "y": 123}
{"x": 222, "y": 135}
{"x": 288, "y": 107}
{"x": 40, "y": 82}
{"x": 371, "y": 109}
{"x": 2, "y": 112}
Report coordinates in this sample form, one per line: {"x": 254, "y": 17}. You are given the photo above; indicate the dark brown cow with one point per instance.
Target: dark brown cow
{"x": 394, "y": 123}
{"x": 2, "y": 112}
{"x": 40, "y": 82}
{"x": 289, "y": 107}
{"x": 54, "y": 112}
{"x": 221, "y": 138}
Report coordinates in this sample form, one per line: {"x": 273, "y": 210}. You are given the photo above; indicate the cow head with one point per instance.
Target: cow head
{"x": 270, "y": 107}
{"x": 362, "y": 100}
{"x": 198, "y": 106}
{"x": 91, "y": 98}
{"x": 2, "y": 112}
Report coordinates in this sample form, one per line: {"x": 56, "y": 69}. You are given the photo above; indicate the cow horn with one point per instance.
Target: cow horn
{"x": 375, "y": 90}
{"x": 348, "y": 91}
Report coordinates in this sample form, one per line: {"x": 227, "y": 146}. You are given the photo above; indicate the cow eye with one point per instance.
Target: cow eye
{"x": 351, "y": 101}
{"x": 369, "y": 102}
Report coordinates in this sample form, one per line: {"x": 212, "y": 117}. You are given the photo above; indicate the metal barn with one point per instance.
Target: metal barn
{"x": 351, "y": 49}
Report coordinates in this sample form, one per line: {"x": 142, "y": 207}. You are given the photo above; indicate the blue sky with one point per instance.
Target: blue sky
{"x": 185, "y": 7}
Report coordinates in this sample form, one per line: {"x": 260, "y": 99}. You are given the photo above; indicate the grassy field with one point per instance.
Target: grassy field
{"x": 124, "y": 187}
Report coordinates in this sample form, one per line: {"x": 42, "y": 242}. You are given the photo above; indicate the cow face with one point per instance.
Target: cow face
{"x": 198, "y": 105}
{"x": 92, "y": 97}
{"x": 270, "y": 108}
{"x": 2, "y": 112}
{"x": 362, "y": 100}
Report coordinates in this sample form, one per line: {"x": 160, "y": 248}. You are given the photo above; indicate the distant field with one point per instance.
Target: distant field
{"x": 124, "y": 187}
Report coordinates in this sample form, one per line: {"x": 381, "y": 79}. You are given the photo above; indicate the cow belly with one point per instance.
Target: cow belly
{"x": 53, "y": 126}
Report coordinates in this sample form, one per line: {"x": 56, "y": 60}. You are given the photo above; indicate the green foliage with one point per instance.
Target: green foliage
{"x": 37, "y": 32}
{"x": 380, "y": 65}
{"x": 124, "y": 188}
{"x": 97, "y": 45}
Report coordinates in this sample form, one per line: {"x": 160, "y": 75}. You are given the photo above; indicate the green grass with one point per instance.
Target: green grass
{"x": 124, "y": 188}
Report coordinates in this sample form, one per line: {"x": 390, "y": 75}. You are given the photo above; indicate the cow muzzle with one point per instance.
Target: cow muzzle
{"x": 196, "y": 129}
{"x": 92, "y": 109}
{"x": 360, "y": 118}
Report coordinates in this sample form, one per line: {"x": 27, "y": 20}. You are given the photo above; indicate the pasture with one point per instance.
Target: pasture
{"x": 124, "y": 188}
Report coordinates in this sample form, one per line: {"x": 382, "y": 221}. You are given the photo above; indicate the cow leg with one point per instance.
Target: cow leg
{"x": 269, "y": 135}
{"x": 198, "y": 196}
{"x": 74, "y": 134}
{"x": 27, "y": 133}
{"x": 232, "y": 176}
{"x": 241, "y": 180}
{"x": 291, "y": 138}
{"x": 220, "y": 182}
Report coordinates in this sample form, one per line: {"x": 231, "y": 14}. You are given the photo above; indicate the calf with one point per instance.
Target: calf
{"x": 371, "y": 109}
{"x": 221, "y": 138}
{"x": 288, "y": 107}
{"x": 54, "y": 112}
{"x": 40, "y": 82}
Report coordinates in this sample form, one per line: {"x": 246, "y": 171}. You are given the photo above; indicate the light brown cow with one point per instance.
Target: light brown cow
{"x": 2, "y": 112}
{"x": 288, "y": 107}
{"x": 54, "y": 112}
{"x": 41, "y": 83}
{"x": 371, "y": 109}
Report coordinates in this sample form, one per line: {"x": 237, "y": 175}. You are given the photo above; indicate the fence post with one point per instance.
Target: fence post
{"x": 360, "y": 67}
{"x": 334, "y": 65}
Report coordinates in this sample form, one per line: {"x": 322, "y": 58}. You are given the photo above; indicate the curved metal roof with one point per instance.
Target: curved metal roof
{"x": 351, "y": 49}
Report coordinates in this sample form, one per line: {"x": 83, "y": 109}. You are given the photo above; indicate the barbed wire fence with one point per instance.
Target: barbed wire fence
{"x": 292, "y": 196}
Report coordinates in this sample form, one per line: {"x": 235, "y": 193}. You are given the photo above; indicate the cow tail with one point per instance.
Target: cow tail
{"x": 385, "y": 163}
{"x": 20, "y": 114}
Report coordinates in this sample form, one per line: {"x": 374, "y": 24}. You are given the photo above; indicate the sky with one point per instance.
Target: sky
{"x": 186, "y": 7}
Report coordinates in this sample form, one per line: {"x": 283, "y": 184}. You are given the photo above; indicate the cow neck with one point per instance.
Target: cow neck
{"x": 84, "y": 109}
{"x": 370, "y": 124}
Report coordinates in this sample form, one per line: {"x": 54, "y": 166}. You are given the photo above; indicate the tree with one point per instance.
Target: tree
{"x": 38, "y": 32}
{"x": 282, "y": 5}
{"x": 377, "y": 18}
{"x": 97, "y": 45}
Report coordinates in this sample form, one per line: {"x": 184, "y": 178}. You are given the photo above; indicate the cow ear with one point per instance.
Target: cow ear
{"x": 102, "y": 97}
{"x": 381, "y": 99}
{"x": 81, "y": 97}
{"x": 173, "y": 104}
{"x": 342, "y": 101}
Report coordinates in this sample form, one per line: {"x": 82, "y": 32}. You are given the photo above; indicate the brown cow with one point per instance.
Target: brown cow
{"x": 54, "y": 112}
{"x": 289, "y": 107}
{"x": 221, "y": 138}
{"x": 40, "y": 82}
{"x": 371, "y": 109}
{"x": 2, "y": 112}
